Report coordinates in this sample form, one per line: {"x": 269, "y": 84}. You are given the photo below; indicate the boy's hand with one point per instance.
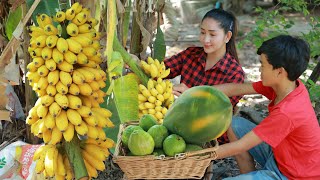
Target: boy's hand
{"x": 179, "y": 89}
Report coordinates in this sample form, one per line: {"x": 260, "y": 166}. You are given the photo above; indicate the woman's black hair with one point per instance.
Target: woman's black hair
{"x": 228, "y": 22}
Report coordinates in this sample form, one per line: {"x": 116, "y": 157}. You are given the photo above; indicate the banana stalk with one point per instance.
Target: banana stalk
{"x": 74, "y": 155}
{"x": 130, "y": 62}
{"x": 111, "y": 27}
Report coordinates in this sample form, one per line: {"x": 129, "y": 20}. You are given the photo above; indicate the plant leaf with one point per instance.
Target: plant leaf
{"x": 159, "y": 45}
{"x": 12, "y": 21}
{"x": 47, "y": 7}
{"x": 126, "y": 97}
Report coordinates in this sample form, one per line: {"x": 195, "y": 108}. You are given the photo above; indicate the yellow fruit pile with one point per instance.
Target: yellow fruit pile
{"x": 94, "y": 153}
{"x": 67, "y": 78}
{"x": 51, "y": 162}
{"x": 157, "y": 97}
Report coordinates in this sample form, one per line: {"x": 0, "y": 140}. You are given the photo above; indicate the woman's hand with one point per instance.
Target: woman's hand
{"x": 178, "y": 89}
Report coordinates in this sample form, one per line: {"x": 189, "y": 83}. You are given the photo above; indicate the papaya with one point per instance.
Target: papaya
{"x": 199, "y": 115}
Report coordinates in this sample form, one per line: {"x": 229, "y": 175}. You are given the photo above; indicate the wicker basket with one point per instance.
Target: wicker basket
{"x": 191, "y": 165}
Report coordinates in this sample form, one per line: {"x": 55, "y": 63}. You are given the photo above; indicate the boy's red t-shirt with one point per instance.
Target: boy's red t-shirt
{"x": 293, "y": 132}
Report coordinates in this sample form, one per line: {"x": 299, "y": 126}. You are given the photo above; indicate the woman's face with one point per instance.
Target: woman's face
{"x": 212, "y": 36}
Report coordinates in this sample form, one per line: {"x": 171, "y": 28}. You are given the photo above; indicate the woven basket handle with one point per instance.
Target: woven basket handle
{"x": 211, "y": 151}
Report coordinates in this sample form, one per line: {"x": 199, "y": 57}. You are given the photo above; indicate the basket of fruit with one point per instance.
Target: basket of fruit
{"x": 164, "y": 162}
{"x": 179, "y": 147}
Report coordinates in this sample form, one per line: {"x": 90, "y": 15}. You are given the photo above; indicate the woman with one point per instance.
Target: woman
{"x": 214, "y": 63}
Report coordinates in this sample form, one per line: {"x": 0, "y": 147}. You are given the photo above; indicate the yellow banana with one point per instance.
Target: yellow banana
{"x": 96, "y": 58}
{"x": 40, "y": 151}
{"x": 61, "y": 88}
{"x": 145, "y": 67}
{"x": 38, "y": 61}
{"x": 70, "y": 57}
{"x": 62, "y": 100}
{"x": 35, "y": 31}
{"x": 60, "y": 167}
{"x": 105, "y": 112}
{"x": 101, "y": 83}
{"x": 43, "y": 71}
{"x": 46, "y": 53}
{"x": 56, "y": 136}
{"x": 69, "y": 132}
{"x": 41, "y": 41}
{"x": 62, "y": 121}
{"x": 159, "y": 88}
{"x": 62, "y": 45}
{"x": 89, "y": 76}
{"x": 65, "y": 66}
{"x": 36, "y": 52}
{"x": 54, "y": 109}
{"x": 80, "y": 18}
{"x": 82, "y": 58}
{"x": 74, "y": 117}
{"x": 102, "y": 134}
{"x": 46, "y": 136}
{"x": 77, "y": 7}
{"x": 42, "y": 83}
{"x": 49, "y": 29}
{"x": 150, "y": 60}
{"x": 74, "y": 89}
{"x": 57, "y": 56}
{"x": 53, "y": 77}
{"x": 72, "y": 29}
{"x": 60, "y": 16}
{"x": 65, "y": 78}
{"x": 84, "y": 111}
{"x": 70, "y": 14}
{"x": 42, "y": 111}
{"x": 150, "y": 84}
{"x": 46, "y": 100}
{"x": 165, "y": 73}
{"x": 33, "y": 77}
{"x": 153, "y": 70}
{"x": 96, "y": 45}
{"x": 51, "y": 90}
{"x": 89, "y": 51}
{"x": 85, "y": 89}
{"x": 51, "y": 64}
{"x": 83, "y": 41}
{"x": 85, "y": 28}
{"x": 92, "y": 132}
{"x": 102, "y": 120}
{"x": 51, "y": 154}
{"x": 40, "y": 164}
{"x": 96, "y": 72}
{"x": 51, "y": 41}
{"x": 91, "y": 121}
{"x": 92, "y": 172}
{"x": 94, "y": 85}
{"x": 74, "y": 101}
{"x": 95, "y": 151}
{"x": 92, "y": 21}
{"x": 97, "y": 164}
{"x": 45, "y": 19}
{"x": 82, "y": 129}
{"x": 74, "y": 46}
{"x": 78, "y": 78}
{"x": 49, "y": 121}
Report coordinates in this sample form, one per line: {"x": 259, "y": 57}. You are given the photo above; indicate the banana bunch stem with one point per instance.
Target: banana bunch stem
{"x": 128, "y": 60}
{"x": 74, "y": 154}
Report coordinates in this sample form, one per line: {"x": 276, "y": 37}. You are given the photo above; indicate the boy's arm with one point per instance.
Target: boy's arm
{"x": 234, "y": 89}
{"x": 237, "y": 147}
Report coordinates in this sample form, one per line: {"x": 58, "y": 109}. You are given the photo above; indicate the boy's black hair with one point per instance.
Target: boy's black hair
{"x": 289, "y": 52}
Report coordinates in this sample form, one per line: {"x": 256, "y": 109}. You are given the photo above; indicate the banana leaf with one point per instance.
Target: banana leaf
{"x": 47, "y": 7}
{"x": 126, "y": 97}
{"x": 159, "y": 46}
{"x": 12, "y": 21}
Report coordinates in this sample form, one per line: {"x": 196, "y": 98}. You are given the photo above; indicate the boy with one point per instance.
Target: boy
{"x": 287, "y": 142}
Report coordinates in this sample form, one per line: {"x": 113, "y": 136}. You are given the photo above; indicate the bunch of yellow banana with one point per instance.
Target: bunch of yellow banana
{"x": 52, "y": 163}
{"x": 66, "y": 75}
{"x": 154, "y": 68}
{"x": 94, "y": 153}
{"x": 156, "y": 98}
